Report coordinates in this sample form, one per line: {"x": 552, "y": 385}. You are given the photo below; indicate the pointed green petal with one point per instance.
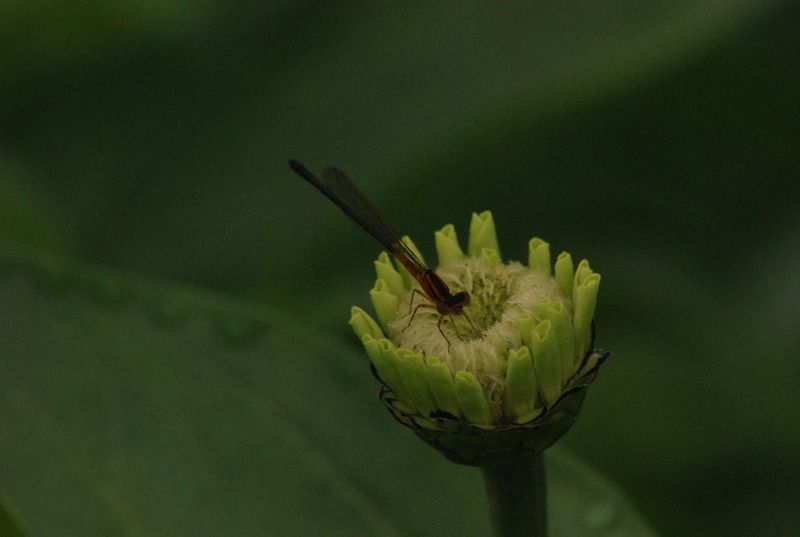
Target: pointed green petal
{"x": 520, "y": 382}
{"x": 372, "y": 348}
{"x": 490, "y": 257}
{"x": 482, "y": 234}
{"x": 385, "y": 270}
{"x": 470, "y": 397}
{"x": 363, "y": 324}
{"x": 392, "y": 370}
{"x": 557, "y": 314}
{"x": 375, "y": 354}
{"x": 582, "y": 271}
{"x": 384, "y": 302}
{"x": 415, "y": 380}
{"x": 539, "y": 255}
{"x": 442, "y": 388}
{"x": 565, "y": 272}
{"x": 381, "y": 354}
{"x": 408, "y": 280}
{"x": 447, "y": 248}
{"x": 546, "y": 362}
{"x": 524, "y": 325}
{"x": 585, "y": 303}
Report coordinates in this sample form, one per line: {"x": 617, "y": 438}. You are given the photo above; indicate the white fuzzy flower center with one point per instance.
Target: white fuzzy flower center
{"x": 499, "y": 295}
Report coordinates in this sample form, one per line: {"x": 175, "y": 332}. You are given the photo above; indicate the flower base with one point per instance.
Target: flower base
{"x": 466, "y": 443}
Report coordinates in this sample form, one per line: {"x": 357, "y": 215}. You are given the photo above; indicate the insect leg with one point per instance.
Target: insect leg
{"x": 439, "y": 326}
{"x": 455, "y": 326}
{"x": 415, "y": 292}
{"x": 464, "y": 313}
{"x": 415, "y": 312}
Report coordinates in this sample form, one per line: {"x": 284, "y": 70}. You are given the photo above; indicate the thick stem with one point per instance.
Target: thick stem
{"x": 517, "y": 497}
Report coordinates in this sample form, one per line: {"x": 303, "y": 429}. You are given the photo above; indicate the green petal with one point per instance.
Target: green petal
{"x": 415, "y": 380}
{"x": 372, "y": 348}
{"x": 381, "y": 353}
{"x": 564, "y": 274}
{"x": 585, "y": 303}
{"x": 582, "y": 271}
{"x": 376, "y": 356}
{"x": 482, "y": 234}
{"x": 524, "y": 325}
{"x": 557, "y": 314}
{"x": 384, "y": 302}
{"x": 539, "y": 255}
{"x": 440, "y": 382}
{"x": 520, "y": 382}
{"x": 385, "y": 270}
{"x": 447, "y": 247}
{"x": 408, "y": 279}
{"x": 392, "y": 370}
{"x": 363, "y": 324}
{"x": 546, "y": 362}
{"x": 470, "y": 397}
{"x": 490, "y": 257}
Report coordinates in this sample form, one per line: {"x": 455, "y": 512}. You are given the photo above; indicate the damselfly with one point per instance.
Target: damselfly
{"x": 338, "y": 188}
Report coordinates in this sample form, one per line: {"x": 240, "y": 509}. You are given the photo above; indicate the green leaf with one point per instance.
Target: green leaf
{"x": 387, "y": 93}
{"x": 9, "y": 526}
{"x": 27, "y": 216}
{"x": 130, "y": 408}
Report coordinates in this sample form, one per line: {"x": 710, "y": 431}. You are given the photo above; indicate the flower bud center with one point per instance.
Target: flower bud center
{"x": 478, "y": 340}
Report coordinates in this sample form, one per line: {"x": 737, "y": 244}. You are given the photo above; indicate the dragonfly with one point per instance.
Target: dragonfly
{"x": 338, "y": 188}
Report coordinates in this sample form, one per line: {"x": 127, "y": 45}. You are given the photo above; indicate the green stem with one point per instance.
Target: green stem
{"x": 517, "y": 497}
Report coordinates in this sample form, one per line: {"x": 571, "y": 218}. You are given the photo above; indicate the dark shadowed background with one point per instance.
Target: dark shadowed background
{"x": 659, "y": 140}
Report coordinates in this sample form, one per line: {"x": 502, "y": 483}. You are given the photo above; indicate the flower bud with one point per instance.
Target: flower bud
{"x": 484, "y": 378}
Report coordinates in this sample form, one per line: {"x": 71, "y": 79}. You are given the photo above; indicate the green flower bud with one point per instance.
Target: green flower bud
{"x": 482, "y": 234}
{"x": 557, "y": 314}
{"x": 490, "y": 257}
{"x": 447, "y": 248}
{"x": 520, "y": 382}
{"x": 384, "y": 302}
{"x": 440, "y": 380}
{"x": 565, "y": 273}
{"x": 539, "y": 255}
{"x": 384, "y": 269}
{"x": 363, "y": 324}
{"x": 585, "y": 301}
{"x": 507, "y": 370}
{"x": 546, "y": 363}
{"x": 472, "y": 400}
{"x": 415, "y": 379}
{"x": 524, "y": 325}
{"x": 581, "y": 273}
{"x": 382, "y": 354}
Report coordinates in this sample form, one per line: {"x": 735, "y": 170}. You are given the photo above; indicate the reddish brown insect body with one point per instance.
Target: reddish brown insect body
{"x": 337, "y": 187}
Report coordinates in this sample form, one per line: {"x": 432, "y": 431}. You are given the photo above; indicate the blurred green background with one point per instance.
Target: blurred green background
{"x": 660, "y": 140}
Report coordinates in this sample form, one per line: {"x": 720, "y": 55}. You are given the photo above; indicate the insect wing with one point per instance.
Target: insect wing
{"x": 338, "y": 188}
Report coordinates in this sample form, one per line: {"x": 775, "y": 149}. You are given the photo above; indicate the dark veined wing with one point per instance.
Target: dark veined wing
{"x": 338, "y": 188}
